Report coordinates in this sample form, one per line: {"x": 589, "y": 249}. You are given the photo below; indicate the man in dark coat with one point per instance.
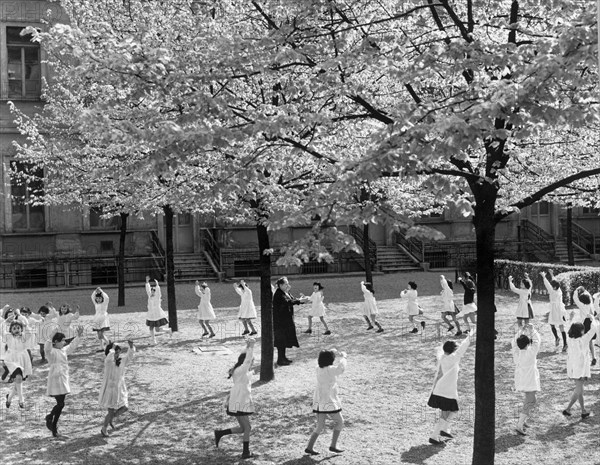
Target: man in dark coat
{"x": 284, "y": 329}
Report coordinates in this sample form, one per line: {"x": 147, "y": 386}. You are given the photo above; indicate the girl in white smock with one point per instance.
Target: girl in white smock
{"x": 156, "y": 316}
{"x": 113, "y": 392}
{"x": 17, "y": 363}
{"x": 247, "y": 311}
{"x": 325, "y": 400}
{"x": 64, "y": 320}
{"x": 239, "y": 403}
{"x": 449, "y": 307}
{"x": 205, "y": 308}
{"x": 524, "y": 309}
{"x": 525, "y": 348}
{"x": 557, "y": 308}
{"x": 444, "y": 395}
{"x": 578, "y": 363}
{"x": 370, "y": 310}
{"x": 57, "y": 352}
{"x": 412, "y": 306}
{"x": 469, "y": 306}
{"x": 101, "y": 322}
{"x": 317, "y": 308}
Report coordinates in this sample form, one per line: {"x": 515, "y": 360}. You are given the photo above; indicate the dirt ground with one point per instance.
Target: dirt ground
{"x": 177, "y": 389}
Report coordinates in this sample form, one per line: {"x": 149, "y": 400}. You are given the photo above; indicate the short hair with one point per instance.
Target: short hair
{"x": 369, "y": 287}
{"x": 326, "y": 358}
{"x": 576, "y": 330}
{"x": 450, "y": 285}
{"x": 317, "y": 283}
{"x": 15, "y": 323}
{"x": 99, "y": 295}
{"x": 58, "y": 337}
{"x": 7, "y": 311}
{"x": 44, "y": 309}
{"x": 281, "y": 281}
{"x": 584, "y": 298}
{"x": 25, "y": 310}
{"x": 413, "y": 285}
{"x": 523, "y": 341}
{"x": 468, "y": 275}
{"x": 449, "y": 347}
{"x": 555, "y": 284}
{"x": 527, "y": 283}
{"x": 68, "y": 309}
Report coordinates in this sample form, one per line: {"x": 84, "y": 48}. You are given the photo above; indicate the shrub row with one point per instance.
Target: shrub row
{"x": 569, "y": 277}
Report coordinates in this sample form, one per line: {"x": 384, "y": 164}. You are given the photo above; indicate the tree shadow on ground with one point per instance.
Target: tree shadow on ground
{"x": 418, "y": 454}
{"x": 308, "y": 460}
{"x": 508, "y": 441}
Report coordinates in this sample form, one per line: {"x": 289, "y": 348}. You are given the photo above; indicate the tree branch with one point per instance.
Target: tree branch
{"x": 529, "y": 200}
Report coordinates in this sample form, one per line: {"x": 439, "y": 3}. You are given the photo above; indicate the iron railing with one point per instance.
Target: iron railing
{"x": 358, "y": 236}
{"x": 537, "y": 241}
{"x": 584, "y": 239}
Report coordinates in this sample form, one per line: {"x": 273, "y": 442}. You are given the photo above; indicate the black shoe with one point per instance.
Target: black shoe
{"x": 103, "y": 433}
{"x": 212, "y": 335}
{"x": 380, "y": 330}
{"x": 205, "y": 334}
{"x": 288, "y": 360}
{"x": 446, "y": 435}
{"x": 566, "y": 413}
{"x": 450, "y": 328}
{"x": 308, "y": 331}
{"x": 436, "y": 442}
{"x": 585, "y": 415}
{"x": 414, "y": 331}
{"x": 247, "y": 455}
{"x": 21, "y": 405}
{"x": 310, "y": 452}
{"x": 422, "y": 325}
{"x": 565, "y": 347}
{"x": 245, "y": 332}
{"x": 335, "y": 450}
{"x": 593, "y": 361}
{"x": 7, "y": 402}
{"x": 283, "y": 363}
{"x": 54, "y": 431}
{"x": 49, "y": 421}
{"x": 458, "y": 333}
{"x": 253, "y": 333}
{"x": 218, "y": 436}
{"x": 370, "y": 327}
{"x": 327, "y": 333}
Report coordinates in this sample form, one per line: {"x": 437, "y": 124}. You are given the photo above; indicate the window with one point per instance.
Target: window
{"x": 590, "y": 211}
{"x": 23, "y": 66}
{"x": 184, "y": 219}
{"x": 25, "y": 185}
{"x": 540, "y": 208}
{"x": 97, "y": 222}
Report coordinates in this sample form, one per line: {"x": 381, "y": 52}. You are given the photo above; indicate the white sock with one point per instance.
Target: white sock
{"x": 436, "y": 430}
{"x": 444, "y": 426}
{"x": 522, "y": 418}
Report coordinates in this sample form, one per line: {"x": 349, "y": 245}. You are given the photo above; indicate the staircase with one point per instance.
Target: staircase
{"x": 391, "y": 259}
{"x": 192, "y": 267}
{"x": 563, "y": 256}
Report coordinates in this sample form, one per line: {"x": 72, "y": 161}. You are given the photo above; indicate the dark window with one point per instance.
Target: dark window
{"x": 23, "y": 66}
{"x": 26, "y": 185}
{"x": 98, "y": 222}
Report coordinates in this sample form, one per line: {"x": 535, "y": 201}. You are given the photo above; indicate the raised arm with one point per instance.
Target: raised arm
{"x": 128, "y": 358}
{"x": 576, "y": 297}
{"x": 547, "y": 284}
{"x": 148, "y": 289}
{"x": 444, "y": 283}
{"x": 75, "y": 342}
{"x": 464, "y": 345}
{"x": 197, "y": 289}
{"x": 511, "y": 285}
{"x": 341, "y": 366}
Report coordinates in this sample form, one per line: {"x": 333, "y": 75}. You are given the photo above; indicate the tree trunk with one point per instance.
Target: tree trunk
{"x": 485, "y": 394}
{"x": 121, "y": 260}
{"x": 367, "y": 254}
{"x": 171, "y": 299}
{"x": 571, "y": 256}
{"x": 266, "y": 305}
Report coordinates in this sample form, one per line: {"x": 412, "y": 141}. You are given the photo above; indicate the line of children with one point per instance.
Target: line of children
{"x": 206, "y": 312}
{"x": 247, "y": 311}
{"x": 317, "y": 309}
{"x": 449, "y": 307}
{"x": 413, "y": 308}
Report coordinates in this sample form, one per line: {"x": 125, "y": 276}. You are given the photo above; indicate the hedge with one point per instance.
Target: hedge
{"x": 569, "y": 277}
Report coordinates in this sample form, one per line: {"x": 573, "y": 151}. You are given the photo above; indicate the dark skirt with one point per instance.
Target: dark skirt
{"x": 238, "y": 414}
{"x": 106, "y": 328}
{"x": 328, "y": 411}
{"x": 13, "y": 375}
{"x": 157, "y": 323}
{"x": 443, "y": 403}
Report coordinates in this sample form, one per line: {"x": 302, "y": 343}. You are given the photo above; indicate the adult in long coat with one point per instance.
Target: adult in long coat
{"x": 284, "y": 329}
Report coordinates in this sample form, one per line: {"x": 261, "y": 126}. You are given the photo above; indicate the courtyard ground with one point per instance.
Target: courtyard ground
{"x": 177, "y": 389}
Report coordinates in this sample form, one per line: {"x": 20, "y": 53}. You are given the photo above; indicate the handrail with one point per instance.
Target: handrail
{"x": 539, "y": 239}
{"x": 583, "y": 238}
{"x": 415, "y": 247}
{"x": 212, "y": 249}
{"x": 358, "y": 235}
